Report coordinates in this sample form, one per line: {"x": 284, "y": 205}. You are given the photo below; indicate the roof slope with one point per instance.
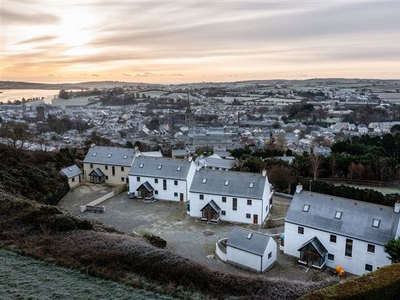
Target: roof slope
{"x": 110, "y": 156}
{"x": 228, "y": 183}
{"x": 160, "y": 167}
{"x": 356, "y": 218}
{"x": 71, "y": 171}
{"x": 248, "y": 240}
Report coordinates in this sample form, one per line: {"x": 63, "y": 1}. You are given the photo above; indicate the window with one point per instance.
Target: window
{"x": 269, "y": 255}
{"x": 122, "y": 179}
{"x": 94, "y": 154}
{"x": 159, "y": 167}
{"x": 125, "y": 156}
{"x": 375, "y": 223}
{"x": 223, "y": 199}
{"x": 175, "y": 194}
{"x": 331, "y": 257}
{"x": 204, "y": 180}
{"x": 106, "y": 177}
{"x": 138, "y": 178}
{"x": 349, "y": 248}
{"x": 368, "y": 267}
{"x": 226, "y": 182}
{"x": 122, "y": 169}
{"x": 234, "y": 204}
{"x": 338, "y": 215}
{"x": 201, "y": 197}
{"x": 164, "y": 182}
{"x": 371, "y": 248}
{"x": 73, "y": 179}
{"x": 113, "y": 171}
{"x": 332, "y": 238}
{"x": 223, "y": 212}
{"x": 251, "y": 184}
{"x": 156, "y": 192}
{"x": 248, "y": 202}
{"x": 109, "y": 155}
{"x": 300, "y": 230}
{"x": 178, "y": 168}
{"x": 175, "y": 182}
{"x": 91, "y": 166}
{"x": 155, "y": 180}
{"x": 306, "y": 207}
{"x": 141, "y": 165}
{"x": 106, "y": 167}
{"x": 248, "y": 216}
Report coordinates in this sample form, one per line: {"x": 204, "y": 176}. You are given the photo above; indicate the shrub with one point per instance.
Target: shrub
{"x": 156, "y": 241}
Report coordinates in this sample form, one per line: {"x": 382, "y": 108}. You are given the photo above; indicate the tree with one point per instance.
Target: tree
{"x": 315, "y": 161}
{"x": 17, "y": 134}
{"x": 392, "y": 247}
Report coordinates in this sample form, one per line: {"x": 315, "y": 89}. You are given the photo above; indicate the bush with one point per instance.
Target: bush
{"x": 156, "y": 241}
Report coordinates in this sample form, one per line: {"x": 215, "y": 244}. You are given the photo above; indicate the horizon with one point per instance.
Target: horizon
{"x": 162, "y": 42}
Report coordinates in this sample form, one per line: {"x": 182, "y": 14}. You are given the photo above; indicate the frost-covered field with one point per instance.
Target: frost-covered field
{"x": 26, "y": 278}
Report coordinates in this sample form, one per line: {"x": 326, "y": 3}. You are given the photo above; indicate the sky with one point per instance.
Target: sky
{"x": 185, "y": 41}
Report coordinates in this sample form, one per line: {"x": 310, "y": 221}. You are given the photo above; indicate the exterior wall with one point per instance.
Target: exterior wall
{"x": 172, "y": 193}
{"x": 231, "y": 215}
{"x": 75, "y": 181}
{"x": 110, "y": 178}
{"x": 242, "y": 258}
{"x": 265, "y": 199}
{"x": 354, "y": 264}
{"x": 271, "y": 247}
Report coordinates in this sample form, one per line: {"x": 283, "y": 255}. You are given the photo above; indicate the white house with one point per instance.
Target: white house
{"x": 250, "y": 249}
{"x": 74, "y": 175}
{"x": 108, "y": 164}
{"x": 323, "y": 230}
{"x": 230, "y": 196}
{"x": 161, "y": 178}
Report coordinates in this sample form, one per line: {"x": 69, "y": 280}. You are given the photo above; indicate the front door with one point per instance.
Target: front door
{"x": 181, "y": 196}
{"x": 255, "y": 219}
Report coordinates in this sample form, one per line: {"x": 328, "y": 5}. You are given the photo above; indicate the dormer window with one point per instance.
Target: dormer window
{"x": 376, "y": 223}
{"x": 338, "y": 215}
{"x": 94, "y": 154}
{"x": 141, "y": 165}
{"x": 226, "y": 182}
{"x": 251, "y": 184}
{"x": 306, "y": 207}
{"x": 159, "y": 167}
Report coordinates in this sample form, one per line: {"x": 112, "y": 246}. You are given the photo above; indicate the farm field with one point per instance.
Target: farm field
{"x": 27, "y": 278}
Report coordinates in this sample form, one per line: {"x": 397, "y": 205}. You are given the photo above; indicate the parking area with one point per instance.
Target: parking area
{"x": 186, "y": 236}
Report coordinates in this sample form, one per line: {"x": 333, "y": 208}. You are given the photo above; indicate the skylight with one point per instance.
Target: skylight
{"x": 226, "y": 182}
{"x": 70, "y": 169}
{"x": 125, "y": 156}
{"x": 251, "y": 184}
{"x": 204, "y": 180}
{"x": 94, "y": 154}
{"x": 109, "y": 155}
{"x": 306, "y": 207}
{"x": 376, "y": 223}
{"x": 178, "y": 168}
{"x": 338, "y": 215}
{"x": 141, "y": 165}
{"x": 159, "y": 167}
{"x": 249, "y": 235}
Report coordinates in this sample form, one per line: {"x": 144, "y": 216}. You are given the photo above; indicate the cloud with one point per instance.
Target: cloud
{"x": 32, "y": 17}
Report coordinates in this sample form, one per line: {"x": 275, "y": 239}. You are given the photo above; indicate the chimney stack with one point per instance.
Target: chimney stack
{"x": 397, "y": 207}
{"x": 299, "y": 188}
{"x": 264, "y": 173}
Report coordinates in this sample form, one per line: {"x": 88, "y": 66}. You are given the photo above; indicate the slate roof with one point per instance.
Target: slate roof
{"x": 213, "y": 205}
{"x": 256, "y": 244}
{"x": 356, "y": 218}
{"x": 171, "y": 168}
{"x": 316, "y": 243}
{"x": 110, "y": 156}
{"x": 207, "y": 181}
{"x": 71, "y": 171}
{"x": 216, "y": 162}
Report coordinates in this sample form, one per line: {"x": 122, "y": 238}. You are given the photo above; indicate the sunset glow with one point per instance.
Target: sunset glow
{"x": 191, "y": 41}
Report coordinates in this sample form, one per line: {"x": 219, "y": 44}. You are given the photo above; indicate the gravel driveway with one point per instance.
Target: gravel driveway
{"x": 186, "y": 236}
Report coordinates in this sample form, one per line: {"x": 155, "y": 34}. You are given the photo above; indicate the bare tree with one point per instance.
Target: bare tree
{"x": 315, "y": 161}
